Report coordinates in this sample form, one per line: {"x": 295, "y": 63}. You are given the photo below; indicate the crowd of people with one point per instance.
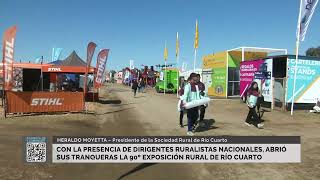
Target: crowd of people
{"x": 138, "y": 86}
{"x": 193, "y": 90}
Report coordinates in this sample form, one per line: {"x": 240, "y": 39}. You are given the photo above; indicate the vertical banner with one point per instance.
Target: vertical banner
{"x": 8, "y": 52}
{"x": 248, "y": 70}
{"x": 90, "y": 51}
{"x": 266, "y": 82}
{"x": 101, "y": 66}
{"x": 56, "y": 52}
{"x": 259, "y": 71}
{"x": 307, "y": 8}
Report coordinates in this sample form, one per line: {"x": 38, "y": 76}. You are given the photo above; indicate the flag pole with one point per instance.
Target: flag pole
{"x": 195, "y": 46}
{"x": 178, "y": 87}
{"x": 93, "y": 87}
{"x": 195, "y": 59}
{"x": 177, "y": 56}
{"x": 165, "y": 76}
{"x": 165, "y": 67}
{"x": 295, "y": 75}
{"x": 296, "y": 62}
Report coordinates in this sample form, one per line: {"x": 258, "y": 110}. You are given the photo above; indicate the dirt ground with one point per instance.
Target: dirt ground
{"x": 153, "y": 114}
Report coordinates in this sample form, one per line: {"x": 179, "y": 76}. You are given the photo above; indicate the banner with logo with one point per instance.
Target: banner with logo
{"x": 27, "y": 102}
{"x": 8, "y": 57}
{"x": 101, "y": 67}
{"x": 90, "y": 51}
{"x": 259, "y": 71}
{"x": 307, "y": 8}
{"x": 56, "y": 52}
{"x": 307, "y": 80}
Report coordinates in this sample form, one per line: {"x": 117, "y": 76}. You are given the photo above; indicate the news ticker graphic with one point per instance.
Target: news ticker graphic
{"x": 177, "y": 149}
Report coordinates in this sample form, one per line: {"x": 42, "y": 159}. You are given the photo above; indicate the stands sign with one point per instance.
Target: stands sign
{"x": 8, "y": 52}
{"x": 101, "y": 66}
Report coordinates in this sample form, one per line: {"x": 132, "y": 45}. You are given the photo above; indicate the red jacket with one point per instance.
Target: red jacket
{"x": 181, "y": 92}
{"x": 253, "y": 92}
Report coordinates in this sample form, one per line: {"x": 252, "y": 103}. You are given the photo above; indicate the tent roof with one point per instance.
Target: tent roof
{"x": 57, "y": 62}
{"x": 259, "y": 49}
{"x": 72, "y": 60}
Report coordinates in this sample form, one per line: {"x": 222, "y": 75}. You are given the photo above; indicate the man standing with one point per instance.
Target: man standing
{"x": 191, "y": 94}
{"x": 134, "y": 87}
{"x": 202, "y": 90}
{"x": 142, "y": 85}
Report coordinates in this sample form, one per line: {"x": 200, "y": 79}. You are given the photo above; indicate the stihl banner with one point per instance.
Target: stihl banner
{"x": 8, "y": 52}
{"x": 101, "y": 66}
{"x": 90, "y": 51}
{"x": 28, "y": 102}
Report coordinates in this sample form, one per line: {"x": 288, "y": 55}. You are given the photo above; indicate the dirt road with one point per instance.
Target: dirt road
{"x": 155, "y": 114}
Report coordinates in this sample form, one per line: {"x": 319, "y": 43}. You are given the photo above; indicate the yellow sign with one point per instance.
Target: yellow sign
{"x": 215, "y": 60}
{"x": 237, "y": 55}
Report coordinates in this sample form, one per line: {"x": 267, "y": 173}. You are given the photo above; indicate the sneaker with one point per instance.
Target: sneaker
{"x": 202, "y": 124}
{"x": 190, "y": 133}
{"x": 248, "y": 124}
{"x": 260, "y": 125}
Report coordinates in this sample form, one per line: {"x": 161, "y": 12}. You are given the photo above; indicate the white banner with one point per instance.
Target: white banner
{"x": 176, "y": 153}
{"x": 307, "y": 8}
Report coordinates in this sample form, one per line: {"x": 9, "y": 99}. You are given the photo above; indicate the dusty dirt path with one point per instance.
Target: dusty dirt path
{"x": 158, "y": 114}
{"x": 112, "y": 116}
{"x": 155, "y": 114}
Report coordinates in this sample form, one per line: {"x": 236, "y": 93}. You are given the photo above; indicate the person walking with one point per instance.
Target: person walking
{"x": 253, "y": 118}
{"x": 180, "y": 104}
{"x": 142, "y": 85}
{"x": 139, "y": 85}
{"x": 202, "y": 108}
{"x": 134, "y": 87}
{"x": 191, "y": 94}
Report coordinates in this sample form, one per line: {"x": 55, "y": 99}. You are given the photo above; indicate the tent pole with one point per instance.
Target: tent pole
{"x": 242, "y": 54}
{"x": 296, "y": 62}
{"x": 295, "y": 76}
{"x": 93, "y": 88}
{"x": 227, "y": 74}
{"x": 41, "y": 76}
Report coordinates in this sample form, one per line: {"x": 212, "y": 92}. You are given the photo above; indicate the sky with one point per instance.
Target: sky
{"x": 138, "y": 29}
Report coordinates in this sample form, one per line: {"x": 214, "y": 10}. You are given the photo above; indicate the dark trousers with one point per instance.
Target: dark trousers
{"x": 134, "y": 92}
{"x": 181, "y": 118}
{"x": 192, "y": 115}
{"x": 202, "y": 112}
{"x": 253, "y": 117}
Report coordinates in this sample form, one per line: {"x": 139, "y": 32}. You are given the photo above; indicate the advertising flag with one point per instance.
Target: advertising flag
{"x": 196, "y": 38}
{"x": 56, "y": 52}
{"x": 101, "y": 66}
{"x": 90, "y": 51}
{"x": 38, "y": 59}
{"x": 177, "y": 45}
{"x": 307, "y": 8}
{"x": 8, "y": 57}
{"x": 165, "y": 52}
